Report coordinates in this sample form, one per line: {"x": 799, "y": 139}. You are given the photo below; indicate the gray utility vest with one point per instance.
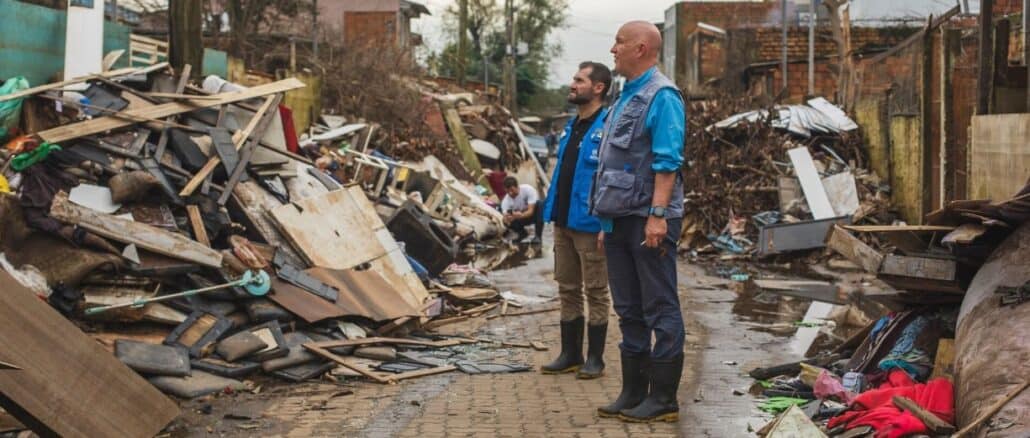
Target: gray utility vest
{"x": 624, "y": 181}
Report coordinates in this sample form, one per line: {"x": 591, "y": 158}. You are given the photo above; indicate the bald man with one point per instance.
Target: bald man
{"x": 638, "y": 196}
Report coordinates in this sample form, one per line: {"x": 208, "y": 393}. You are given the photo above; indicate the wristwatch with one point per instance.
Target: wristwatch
{"x": 657, "y": 211}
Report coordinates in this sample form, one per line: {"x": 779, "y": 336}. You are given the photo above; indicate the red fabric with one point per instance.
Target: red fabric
{"x": 876, "y": 407}
{"x": 290, "y": 131}
{"x": 496, "y": 180}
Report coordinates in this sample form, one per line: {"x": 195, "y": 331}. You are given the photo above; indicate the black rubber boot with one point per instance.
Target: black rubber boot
{"x": 594, "y": 366}
{"x": 660, "y": 404}
{"x": 634, "y": 385}
{"x": 571, "y": 356}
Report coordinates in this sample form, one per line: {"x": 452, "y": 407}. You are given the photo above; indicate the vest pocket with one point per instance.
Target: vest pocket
{"x": 615, "y": 195}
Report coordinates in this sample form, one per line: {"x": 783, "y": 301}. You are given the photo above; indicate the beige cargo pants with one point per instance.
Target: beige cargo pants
{"x": 581, "y": 270}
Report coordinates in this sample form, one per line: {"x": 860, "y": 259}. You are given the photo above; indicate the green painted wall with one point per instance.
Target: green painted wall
{"x": 32, "y": 41}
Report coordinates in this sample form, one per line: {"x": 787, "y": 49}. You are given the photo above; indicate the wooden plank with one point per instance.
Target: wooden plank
{"x": 143, "y": 236}
{"x": 931, "y": 420}
{"x": 854, "y": 249}
{"x": 347, "y": 363}
{"x": 919, "y": 267}
{"x": 239, "y": 138}
{"x": 999, "y": 160}
{"x": 69, "y": 385}
{"x": 383, "y": 340}
{"x": 943, "y": 363}
{"x": 198, "y": 225}
{"x": 250, "y": 137}
{"x": 422, "y": 373}
{"x": 461, "y": 140}
{"x": 897, "y": 228}
{"x": 98, "y": 125}
{"x": 811, "y": 184}
{"x": 58, "y": 85}
{"x": 180, "y": 96}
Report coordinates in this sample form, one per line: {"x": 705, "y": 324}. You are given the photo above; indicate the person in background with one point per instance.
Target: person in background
{"x": 522, "y": 207}
{"x": 638, "y": 196}
{"x": 579, "y": 263}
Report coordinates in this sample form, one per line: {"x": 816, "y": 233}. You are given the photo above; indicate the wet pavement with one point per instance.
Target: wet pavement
{"x": 730, "y": 330}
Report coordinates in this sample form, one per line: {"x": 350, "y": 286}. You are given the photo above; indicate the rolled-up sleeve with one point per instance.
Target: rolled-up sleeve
{"x": 666, "y": 120}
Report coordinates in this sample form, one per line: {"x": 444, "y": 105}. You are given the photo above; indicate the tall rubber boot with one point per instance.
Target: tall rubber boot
{"x": 660, "y": 404}
{"x": 634, "y": 385}
{"x": 594, "y": 366}
{"x": 571, "y": 356}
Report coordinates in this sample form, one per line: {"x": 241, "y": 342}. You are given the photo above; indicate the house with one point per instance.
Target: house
{"x": 370, "y": 22}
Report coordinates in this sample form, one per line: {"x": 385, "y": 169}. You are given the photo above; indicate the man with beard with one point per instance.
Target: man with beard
{"x": 638, "y": 196}
{"x": 579, "y": 263}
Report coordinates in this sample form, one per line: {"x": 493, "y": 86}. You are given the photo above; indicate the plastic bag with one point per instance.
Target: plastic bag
{"x": 10, "y": 110}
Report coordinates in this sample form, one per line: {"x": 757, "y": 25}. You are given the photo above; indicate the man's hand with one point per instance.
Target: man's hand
{"x": 600, "y": 241}
{"x": 655, "y": 231}
{"x": 507, "y": 218}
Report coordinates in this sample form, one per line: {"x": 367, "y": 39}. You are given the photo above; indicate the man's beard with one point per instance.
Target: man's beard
{"x": 579, "y": 99}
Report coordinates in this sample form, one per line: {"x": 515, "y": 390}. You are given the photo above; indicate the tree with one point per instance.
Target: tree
{"x": 247, "y": 17}
{"x": 536, "y": 21}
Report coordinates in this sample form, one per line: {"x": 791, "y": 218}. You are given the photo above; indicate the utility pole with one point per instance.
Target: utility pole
{"x": 184, "y": 32}
{"x": 985, "y": 77}
{"x": 314, "y": 29}
{"x": 463, "y": 22}
{"x": 813, "y": 13}
{"x": 1026, "y": 49}
{"x": 783, "y": 62}
{"x": 509, "y": 58}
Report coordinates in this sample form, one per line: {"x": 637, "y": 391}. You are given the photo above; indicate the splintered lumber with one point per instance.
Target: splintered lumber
{"x": 347, "y": 363}
{"x": 102, "y": 124}
{"x": 461, "y": 139}
{"x": 198, "y": 225}
{"x": 58, "y": 85}
{"x": 65, "y": 383}
{"x": 142, "y": 235}
{"x": 987, "y": 414}
{"x": 249, "y": 138}
{"x": 854, "y": 249}
{"x": 932, "y": 421}
{"x": 238, "y": 139}
{"x": 382, "y": 340}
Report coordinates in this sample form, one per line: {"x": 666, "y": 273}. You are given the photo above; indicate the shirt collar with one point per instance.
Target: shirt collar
{"x": 634, "y": 85}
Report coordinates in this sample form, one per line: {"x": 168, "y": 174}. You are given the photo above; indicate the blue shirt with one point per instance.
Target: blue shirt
{"x": 666, "y": 120}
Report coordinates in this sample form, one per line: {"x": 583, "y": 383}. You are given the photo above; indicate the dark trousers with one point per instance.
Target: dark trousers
{"x": 643, "y": 283}
{"x": 537, "y": 221}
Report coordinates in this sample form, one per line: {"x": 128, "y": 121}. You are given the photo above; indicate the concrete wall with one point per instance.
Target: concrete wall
{"x": 871, "y": 115}
{"x": 32, "y": 42}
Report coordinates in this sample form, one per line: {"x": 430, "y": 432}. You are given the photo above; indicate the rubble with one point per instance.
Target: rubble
{"x": 188, "y": 213}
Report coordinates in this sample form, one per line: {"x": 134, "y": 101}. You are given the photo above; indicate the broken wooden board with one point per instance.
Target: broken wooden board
{"x": 108, "y": 74}
{"x": 944, "y": 362}
{"x": 102, "y": 124}
{"x": 366, "y": 293}
{"x": 807, "y": 174}
{"x": 813, "y": 290}
{"x": 341, "y": 230}
{"x": 197, "y": 223}
{"x": 897, "y": 228}
{"x": 854, "y": 249}
{"x": 929, "y": 419}
{"x": 69, "y": 385}
{"x": 921, "y": 274}
{"x": 126, "y": 231}
{"x": 794, "y": 424}
{"x": 461, "y": 139}
{"x": 784, "y": 237}
{"x": 254, "y": 202}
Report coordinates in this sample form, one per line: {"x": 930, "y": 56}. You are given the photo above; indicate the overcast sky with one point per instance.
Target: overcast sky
{"x": 588, "y": 36}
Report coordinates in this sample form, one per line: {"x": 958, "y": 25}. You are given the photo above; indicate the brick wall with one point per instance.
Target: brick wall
{"x": 371, "y": 28}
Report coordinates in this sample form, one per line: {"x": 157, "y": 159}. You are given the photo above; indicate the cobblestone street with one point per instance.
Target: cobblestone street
{"x": 720, "y": 348}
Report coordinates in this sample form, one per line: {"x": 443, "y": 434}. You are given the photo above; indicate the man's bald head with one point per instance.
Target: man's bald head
{"x": 636, "y": 48}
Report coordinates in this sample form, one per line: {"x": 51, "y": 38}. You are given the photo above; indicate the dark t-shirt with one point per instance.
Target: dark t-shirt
{"x": 563, "y": 195}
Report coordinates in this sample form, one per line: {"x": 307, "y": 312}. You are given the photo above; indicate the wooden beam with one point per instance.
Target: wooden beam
{"x": 898, "y": 228}
{"x": 854, "y": 249}
{"x": 252, "y": 139}
{"x": 347, "y": 363}
{"x": 198, "y": 225}
{"x": 144, "y": 236}
{"x": 461, "y": 140}
{"x": 985, "y": 75}
{"x": 95, "y": 126}
{"x": 931, "y": 420}
{"x": 987, "y": 414}
{"x": 58, "y": 85}
{"x": 239, "y": 138}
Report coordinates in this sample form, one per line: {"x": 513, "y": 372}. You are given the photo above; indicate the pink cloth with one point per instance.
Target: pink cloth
{"x": 827, "y": 385}
{"x": 876, "y": 407}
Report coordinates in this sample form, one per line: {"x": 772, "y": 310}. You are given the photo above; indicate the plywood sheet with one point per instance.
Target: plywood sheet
{"x": 68, "y": 385}
{"x": 999, "y": 156}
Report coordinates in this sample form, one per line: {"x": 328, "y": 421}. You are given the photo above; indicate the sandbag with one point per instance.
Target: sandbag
{"x": 993, "y": 343}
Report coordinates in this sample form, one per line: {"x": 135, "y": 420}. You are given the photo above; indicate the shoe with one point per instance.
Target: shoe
{"x": 660, "y": 404}
{"x": 634, "y": 385}
{"x": 594, "y": 365}
{"x": 571, "y": 356}
{"x": 535, "y": 241}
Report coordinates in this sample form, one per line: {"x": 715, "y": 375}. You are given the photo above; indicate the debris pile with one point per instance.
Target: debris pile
{"x": 196, "y": 238}
{"x": 758, "y": 179}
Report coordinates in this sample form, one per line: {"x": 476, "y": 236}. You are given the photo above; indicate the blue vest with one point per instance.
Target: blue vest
{"x": 624, "y": 183}
{"x": 586, "y": 164}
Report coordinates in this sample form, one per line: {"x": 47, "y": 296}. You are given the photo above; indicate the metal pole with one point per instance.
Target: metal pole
{"x": 783, "y": 21}
{"x": 1026, "y": 49}
{"x": 812, "y": 13}
{"x": 985, "y": 82}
